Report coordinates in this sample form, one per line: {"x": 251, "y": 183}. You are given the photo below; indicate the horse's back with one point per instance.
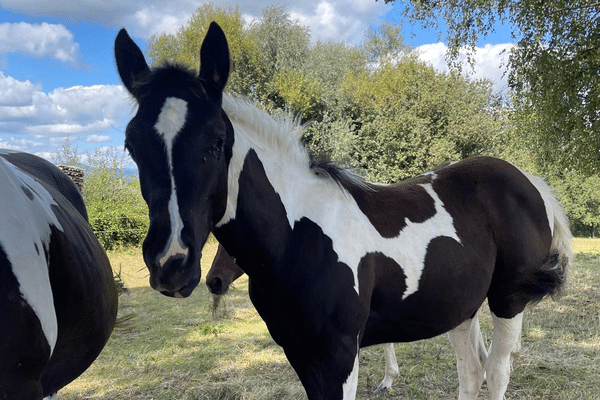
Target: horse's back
{"x": 48, "y": 175}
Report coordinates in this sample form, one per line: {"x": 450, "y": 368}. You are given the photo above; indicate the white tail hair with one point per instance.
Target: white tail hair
{"x": 562, "y": 240}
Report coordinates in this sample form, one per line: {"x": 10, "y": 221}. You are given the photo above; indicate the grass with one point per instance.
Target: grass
{"x": 177, "y": 348}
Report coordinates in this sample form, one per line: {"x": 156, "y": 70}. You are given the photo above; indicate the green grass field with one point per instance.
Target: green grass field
{"x": 180, "y": 349}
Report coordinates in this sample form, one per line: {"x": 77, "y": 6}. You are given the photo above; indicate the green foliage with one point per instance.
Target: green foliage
{"x": 67, "y": 155}
{"x": 410, "y": 118}
{"x": 117, "y": 213}
{"x": 301, "y": 94}
{"x": 184, "y": 46}
{"x": 553, "y": 69}
{"x": 580, "y": 196}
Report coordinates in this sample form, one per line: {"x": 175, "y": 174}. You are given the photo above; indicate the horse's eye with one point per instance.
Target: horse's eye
{"x": 130, "y": 151}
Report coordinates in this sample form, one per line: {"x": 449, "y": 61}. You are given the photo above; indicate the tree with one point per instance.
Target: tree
{"x": 67, "y": 155}
{"x": 283, "y": 46}
{"x": 554, "y": 69}
{"x": 409, "y": 118}
{"x": 184, "y": 46}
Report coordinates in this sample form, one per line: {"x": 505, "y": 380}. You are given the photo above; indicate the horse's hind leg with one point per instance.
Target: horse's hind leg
{"x": 506, "y": 339}
{"x": 391, "y": 368}
{"x": 471, "y": 356}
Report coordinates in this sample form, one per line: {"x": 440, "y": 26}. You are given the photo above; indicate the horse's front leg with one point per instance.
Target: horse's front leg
{"x": 327, "y": 372}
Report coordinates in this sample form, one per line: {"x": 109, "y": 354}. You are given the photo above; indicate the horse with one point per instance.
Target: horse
{"x": 224, "y": 271}
{"x": 58, "y": 298}
{"x": 334, "y": 262}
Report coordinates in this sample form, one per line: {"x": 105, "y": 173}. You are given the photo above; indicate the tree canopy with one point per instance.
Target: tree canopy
{"x": 554, "y": 70}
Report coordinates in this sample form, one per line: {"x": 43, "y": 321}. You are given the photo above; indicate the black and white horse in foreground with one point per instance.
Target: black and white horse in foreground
{"x": 336, "y": 263}
{"x": 224, "y": 271}
{"x": 58, "y": 299}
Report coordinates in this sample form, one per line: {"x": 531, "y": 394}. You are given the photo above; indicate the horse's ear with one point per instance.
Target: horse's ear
{"x": 214, "y": 59}
{"x": 130, "y": 60}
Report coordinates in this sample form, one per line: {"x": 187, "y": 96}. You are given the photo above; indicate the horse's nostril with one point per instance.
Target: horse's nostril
{"x": 216, "y": 286}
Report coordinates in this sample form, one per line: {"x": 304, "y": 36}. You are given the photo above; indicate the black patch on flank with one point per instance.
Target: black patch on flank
{"x": 388, "y": 207}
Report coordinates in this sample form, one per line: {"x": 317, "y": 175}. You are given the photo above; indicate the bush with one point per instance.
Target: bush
{"x": 117, "y": 212}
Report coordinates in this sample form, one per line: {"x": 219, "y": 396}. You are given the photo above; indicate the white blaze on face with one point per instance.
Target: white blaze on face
{"x": 170, "y": 121}
{"x": 25, "y": 236}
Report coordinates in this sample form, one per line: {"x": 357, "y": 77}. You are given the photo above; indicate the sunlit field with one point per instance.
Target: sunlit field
{"x": 181, "y": 349}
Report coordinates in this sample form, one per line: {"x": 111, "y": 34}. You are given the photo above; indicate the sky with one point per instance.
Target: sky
{"x": 58, "y": 77}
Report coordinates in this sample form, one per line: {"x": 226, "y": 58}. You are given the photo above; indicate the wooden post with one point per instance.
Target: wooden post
{"x": 75, "y": 173}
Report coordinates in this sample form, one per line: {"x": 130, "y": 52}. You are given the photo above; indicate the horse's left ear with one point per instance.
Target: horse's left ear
{"x": 130, "y": 60}
{"x": 214, "y": 59}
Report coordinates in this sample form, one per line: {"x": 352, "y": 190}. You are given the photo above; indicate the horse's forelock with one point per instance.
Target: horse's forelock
{"x": 171, "y": 76}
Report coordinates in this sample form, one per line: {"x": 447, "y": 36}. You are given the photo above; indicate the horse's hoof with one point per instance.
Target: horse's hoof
{"x": 381, "y": 389}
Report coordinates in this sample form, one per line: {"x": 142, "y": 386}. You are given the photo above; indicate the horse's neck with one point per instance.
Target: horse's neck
{"x": 268, "y": 194}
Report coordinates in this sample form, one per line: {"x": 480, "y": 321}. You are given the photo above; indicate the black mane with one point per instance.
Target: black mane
{"x": 346, "y": 178}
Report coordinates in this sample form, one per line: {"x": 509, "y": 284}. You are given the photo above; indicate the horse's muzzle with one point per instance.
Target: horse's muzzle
{"x": 177, "y": 277}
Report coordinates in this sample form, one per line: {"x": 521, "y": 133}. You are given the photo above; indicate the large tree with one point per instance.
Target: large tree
{"x": 554, "y": 70}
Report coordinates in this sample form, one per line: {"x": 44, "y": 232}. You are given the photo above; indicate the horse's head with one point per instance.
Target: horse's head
{"x": 181, "y": 141}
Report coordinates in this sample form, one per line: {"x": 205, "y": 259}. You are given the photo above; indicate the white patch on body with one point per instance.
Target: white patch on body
{"x": 170, "y": 121}
{"x": 25, "y": 235}
{"x": 334, "y": 210}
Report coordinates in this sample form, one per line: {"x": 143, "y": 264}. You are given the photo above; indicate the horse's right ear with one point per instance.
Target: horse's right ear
{"x": 130, "y": 60}
{"x": 214, "y": 59}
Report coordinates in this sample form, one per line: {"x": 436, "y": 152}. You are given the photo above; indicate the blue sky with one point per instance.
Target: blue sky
{"x": 58, "y": 79}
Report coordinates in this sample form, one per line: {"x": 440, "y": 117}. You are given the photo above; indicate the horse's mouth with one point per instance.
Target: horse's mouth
{"x": 182, "y": 293}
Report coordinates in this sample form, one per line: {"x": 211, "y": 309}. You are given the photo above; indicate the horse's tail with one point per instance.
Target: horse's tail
{"x": 552, "y": 276}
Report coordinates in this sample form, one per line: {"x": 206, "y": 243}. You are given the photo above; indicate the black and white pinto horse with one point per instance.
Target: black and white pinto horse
{"x": 58, "y": 299}
{"x": 336, "y": 263}
{"x": 224, "y": 271}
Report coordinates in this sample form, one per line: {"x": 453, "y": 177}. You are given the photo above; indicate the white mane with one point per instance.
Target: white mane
{"x": 277, "y": 133}
{"x": 282, "y": 134}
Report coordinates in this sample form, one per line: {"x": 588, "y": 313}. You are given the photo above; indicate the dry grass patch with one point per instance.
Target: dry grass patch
{"x": 177, "y": 349}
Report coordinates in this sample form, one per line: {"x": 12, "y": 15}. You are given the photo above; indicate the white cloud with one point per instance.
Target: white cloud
{"x": 16, "y": 93}
{"x": 39, "y": 40}
{"x": 490, "y": 61}
{"x": 155, "y": 20}
{"x": 39, "y": 119}
{"x": 97, "y": 138}
{"x": 339, "y": 20}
